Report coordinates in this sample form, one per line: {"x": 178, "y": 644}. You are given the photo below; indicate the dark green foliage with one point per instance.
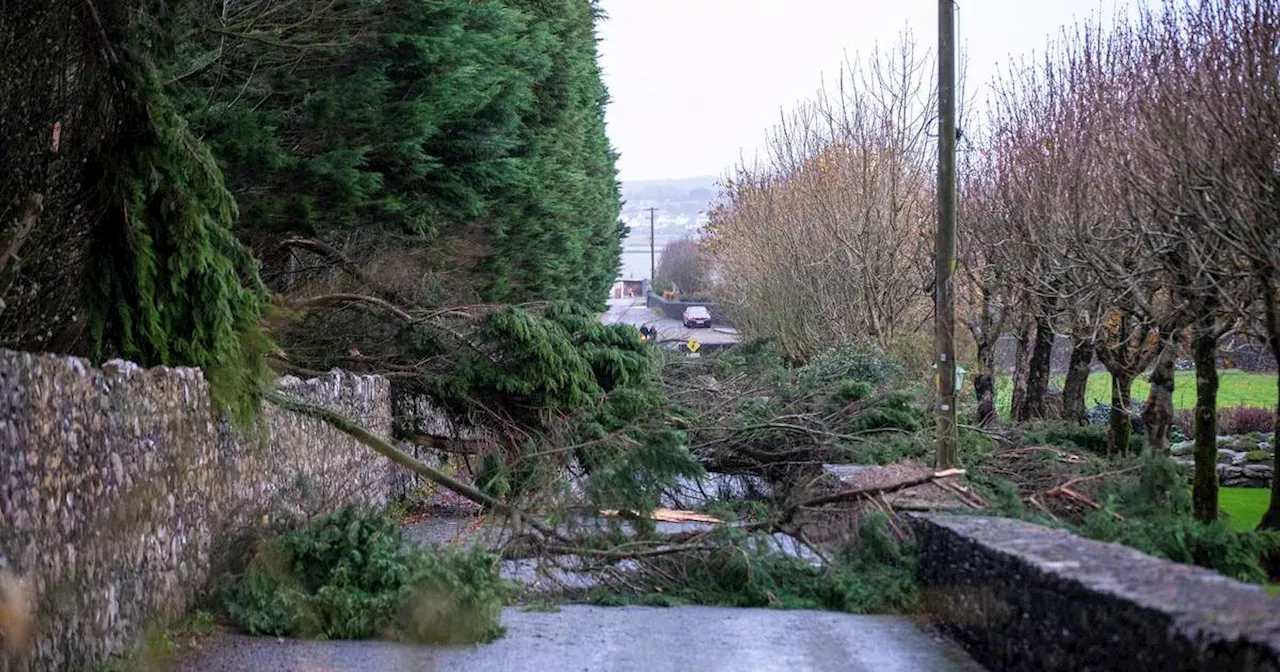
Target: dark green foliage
{"x": 733, "y": 510}
{"x": 855, "y": 362}
{"x": 539, "y": 365}
{"x": 583, "y": 384}
{"x": 648, "y": 456}
{"x": 875, "y": 574}
{"x": 887, "y": 449}
{"x": 530, "y": 362}
{"x": 1069, "y": 435}
{"x": 894, "y": 412}
{"x": 614, "y": 352}
{"x": 756, "y": 356}
{"x": 852, "y": 390}
{"x": 166, "y": 281}
{"x": 1184, "y": 539}
{"x": 1157, "y": 519}
{"x": 460, "y": 137}
{"x": 350, "y": 575}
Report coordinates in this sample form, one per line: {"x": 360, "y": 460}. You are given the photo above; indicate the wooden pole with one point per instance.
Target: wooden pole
{"x": 653, "y": 274}
{"x": 945, "y": 254}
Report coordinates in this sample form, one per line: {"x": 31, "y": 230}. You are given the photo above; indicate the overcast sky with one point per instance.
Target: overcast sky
{"x": 695, "y": 83}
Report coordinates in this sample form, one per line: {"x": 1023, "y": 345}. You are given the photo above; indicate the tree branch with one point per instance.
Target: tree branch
{"x": 386, "y": 449}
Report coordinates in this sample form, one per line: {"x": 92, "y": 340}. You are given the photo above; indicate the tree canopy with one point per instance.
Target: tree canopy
{"x": 188, "y": 160}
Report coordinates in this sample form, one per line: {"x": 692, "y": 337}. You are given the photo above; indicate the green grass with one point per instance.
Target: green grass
{"x": 1244, "y": 505}
{"x": 1235, "y": 388}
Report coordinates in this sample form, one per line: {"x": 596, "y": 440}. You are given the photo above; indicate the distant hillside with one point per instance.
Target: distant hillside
{"x": 681, "y": 205}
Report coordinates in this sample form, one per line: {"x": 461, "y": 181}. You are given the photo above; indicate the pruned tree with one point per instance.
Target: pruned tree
{"x": 683, "y": 267}
{"x": 1221, "y": 65}
{"x": 822, "y": 241}
{"x": 986, "y": 285}
{"x": 1188, "y": 167}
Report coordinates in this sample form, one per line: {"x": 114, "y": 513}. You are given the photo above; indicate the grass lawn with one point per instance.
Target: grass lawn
{"x": 1244, "y": 505}
{"x": 1235, "y": 388}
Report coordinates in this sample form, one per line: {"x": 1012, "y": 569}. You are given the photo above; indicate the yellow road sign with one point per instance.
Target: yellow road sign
{"x": 693, "y": 345}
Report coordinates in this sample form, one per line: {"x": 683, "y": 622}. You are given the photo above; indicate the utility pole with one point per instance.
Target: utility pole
{"x": 653, "y": 274}
{"x": 944, "y": 305}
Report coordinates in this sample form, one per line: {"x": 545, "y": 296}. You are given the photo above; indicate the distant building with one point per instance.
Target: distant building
{"x": 627, "y": 288}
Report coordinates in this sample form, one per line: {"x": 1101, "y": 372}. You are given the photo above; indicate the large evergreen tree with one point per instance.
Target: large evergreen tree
{"x": 454, "y": 148}
{"x": 430, "y": 152}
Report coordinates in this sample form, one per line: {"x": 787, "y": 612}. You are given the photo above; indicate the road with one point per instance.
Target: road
{"x": 584, "y": 637}
{"x": 634, "y": 312}
{"x": 581, "y": 637}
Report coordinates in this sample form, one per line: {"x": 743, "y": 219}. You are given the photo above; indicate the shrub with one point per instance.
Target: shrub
{"x": 1231, "y": 421}
{"x": 1183, "y": 539}
{"x": 1089, "y": 438}
{"x": 350, "y": 575}
{"x": 1244, "y": 420}
{"x": 1158, "y": 520}
{"x": 887, "y": 449}
{"x": 856, "y": 362}
{"x": 847, "y": 392}
{"x": 1100, "y": 415}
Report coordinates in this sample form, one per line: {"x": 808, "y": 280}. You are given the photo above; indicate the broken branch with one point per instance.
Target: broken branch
{"x": 386, "y": 449}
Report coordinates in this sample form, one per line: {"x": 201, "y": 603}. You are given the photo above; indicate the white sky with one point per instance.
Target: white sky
{"x": 695, "y": 83}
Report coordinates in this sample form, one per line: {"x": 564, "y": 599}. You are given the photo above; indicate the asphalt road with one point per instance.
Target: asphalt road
{"x": 635, "y": 313}
{"x": 579, "y": 637}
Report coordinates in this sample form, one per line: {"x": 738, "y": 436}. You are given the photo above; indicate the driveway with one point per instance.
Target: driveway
{"x": 580, "y": 637}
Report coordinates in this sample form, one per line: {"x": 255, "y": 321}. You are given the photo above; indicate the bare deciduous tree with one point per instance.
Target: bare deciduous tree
{"x": 823, "y": 241}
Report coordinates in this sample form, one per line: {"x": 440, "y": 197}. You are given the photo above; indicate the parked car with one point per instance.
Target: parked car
{"x": 697, "y": 316}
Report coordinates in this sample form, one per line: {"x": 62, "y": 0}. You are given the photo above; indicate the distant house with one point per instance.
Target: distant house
{"x": 627, "y": 288}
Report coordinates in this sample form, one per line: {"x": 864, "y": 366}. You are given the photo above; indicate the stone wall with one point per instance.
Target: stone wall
{"x": 1241, "y": 463}
{"x": 1025, "y": 597}
{"x": 121, "y": 491}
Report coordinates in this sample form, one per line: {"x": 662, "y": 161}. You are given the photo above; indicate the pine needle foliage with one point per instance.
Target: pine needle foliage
{"x": 167, "y": 282}
{"x": 351, "y": 575}
{"x": 574, "y": 382}
{"x": 466, "y": 135}
{"x": 875, "y": 574}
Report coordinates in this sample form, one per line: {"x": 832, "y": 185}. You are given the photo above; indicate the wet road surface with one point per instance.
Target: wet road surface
{"x": 579, "y": 637}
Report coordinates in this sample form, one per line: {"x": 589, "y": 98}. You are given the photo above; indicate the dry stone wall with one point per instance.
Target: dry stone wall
{"x": 122, "y": 491}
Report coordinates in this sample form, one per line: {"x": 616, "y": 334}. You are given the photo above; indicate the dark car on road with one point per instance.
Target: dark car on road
{"x": 697, "y": 316}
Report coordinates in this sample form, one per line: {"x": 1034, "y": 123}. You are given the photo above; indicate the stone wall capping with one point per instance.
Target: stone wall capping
{"x": 1025, "y": 596}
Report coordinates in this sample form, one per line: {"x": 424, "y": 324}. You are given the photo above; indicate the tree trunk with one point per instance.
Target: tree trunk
{"x": 1271, "y": 519}
{"x": 1038, "y": 370}
{"x": 1018, "y": 405}
{"x": 1073, "y": 388}
{"x": 984, "y": 386}
{"x": 1121, "y": 425}
{"x": 1204, "y": 491}
{"x": 1157, "y": 416}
